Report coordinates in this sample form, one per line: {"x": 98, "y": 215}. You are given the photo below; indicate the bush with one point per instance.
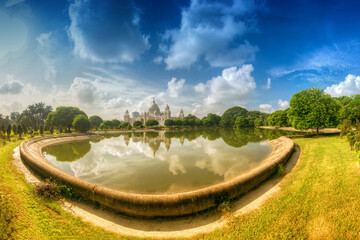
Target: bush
{"x": 169, "y": 123}
{"x": 81, "y": 123}
{"x": 151, "y": 123}
{"x": 124, "y": 125}
{"x": 137, "y": 124}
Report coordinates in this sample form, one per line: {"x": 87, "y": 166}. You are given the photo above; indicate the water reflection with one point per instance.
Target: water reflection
{"x": 164, "y": 162}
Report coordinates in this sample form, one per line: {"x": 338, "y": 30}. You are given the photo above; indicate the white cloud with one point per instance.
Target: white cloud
{"x": 106, "y": 32}
{"x": 119, "y": 102}
{"x": 158, "y": 59}
{"x": 268, "y": 84}
{"x": 13, "y": 34}
{"x": 11, "y": 87}
{"x": 84, "y": 91}
{"x": 209, "y": 30}
{"x": 321, "y": 62}
{"x": 349, "y": 87}
{"x": 267, "y": 108}
{"x": 175, "y": 87}
{"x": 283, "y": 104}
{"x": 11, "y": 3}
{"x": 228, "y": 89}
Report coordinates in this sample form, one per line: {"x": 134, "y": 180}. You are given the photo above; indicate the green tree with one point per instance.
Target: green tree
{"x": 19, "y": 131}
{"x": 313, "y": 108}
{"x": 51, "y": 130}
{"x": 137, "y": 124}
{"x": 63, "y": 116}
{"x": 211, "y": 120}
{"x": 169, "y": 123}
{"x": 107, "y": 124}
{"x": 241, "y": 122}
{"x": 229, "y": 116}
{"x": 81, "y": 123}
{"x": 41, "y": 130}
{"x": 279, "y": 118}
{"x": 115, "y": 123}
{"x": 8, "y": 130}
{"x": 178, "y": 122}
{"x": 124, "y": 125}
{"x": 151, "y": 123}
{"x": 95, "y": 121}
{"x": 14, "y": 129}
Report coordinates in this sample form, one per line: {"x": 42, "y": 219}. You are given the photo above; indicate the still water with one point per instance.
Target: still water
{"x": 164, "y": 162}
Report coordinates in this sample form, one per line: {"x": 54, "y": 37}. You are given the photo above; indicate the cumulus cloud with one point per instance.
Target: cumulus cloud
{"x": 119, "y": 102}
{"x": 267, "y": 108}
{"x": 350, "y": 86}
{"x": 106, "y": 31}
{"x": 233, "y": 85}
{"x": 13, "y": 34}
{"x": 283, "y": 104}
{"x": 209, "y": 30}
{"x": 175, "y": 87}
{"x": 84, "y": 91}
{"x": 11, "y": 87}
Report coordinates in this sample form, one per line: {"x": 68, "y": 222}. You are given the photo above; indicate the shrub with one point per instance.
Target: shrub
{"x": 81, "y": 123}
{"x": 151, "y": 123}
{"x": 169, "y": 123}
{"x": 137, "y": 124}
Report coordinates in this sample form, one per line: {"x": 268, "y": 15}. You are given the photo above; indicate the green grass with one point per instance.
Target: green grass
{"x": 320, "y": 199}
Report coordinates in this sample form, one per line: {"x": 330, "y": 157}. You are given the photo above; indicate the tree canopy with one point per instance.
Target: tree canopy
{"x": 95, "y": 121}
{"x": 151, "y": 123}
{"x": 229, "y": 116}
{"x": 279, "y": 118}
{"x": 63, "y": 117}
{"x": 81, "y": 123}
{"x": 313, "y": 108}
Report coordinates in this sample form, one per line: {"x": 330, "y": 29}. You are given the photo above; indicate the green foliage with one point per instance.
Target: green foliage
{"x": 313, "y": 108}
{"x": 95, "y": 121}
{"x": 115, "y": 122}
{"x": 51, "y": 130}
{"x": 8, "y": 130}
{"x": 19, "y": 130}
{"x": 169, "y": 123}
{"x": 124, "y": 125}
{"x": 279, "y": 118}
{"x": 243, "y": 122}
{"x": 137, "y": 124}
{"x": 178, "y": 122}
{"x": 211, "y": 120}
{"x": 229, "y": 116}
{"x": 63, "y": 116}
{"x": 81, "y": 123}
{"x": 350, "y": 108}
{"x": 151, "y": 123}
{"x": 41, "y": 130}
{"x": 106, "y": 125}
{"x": 346, "y": 128}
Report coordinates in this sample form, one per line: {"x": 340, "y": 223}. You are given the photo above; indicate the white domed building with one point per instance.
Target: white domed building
{"x": 153, "y": 113}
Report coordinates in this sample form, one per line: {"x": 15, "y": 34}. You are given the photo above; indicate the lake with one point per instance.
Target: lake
{"x": 164, "y": 162}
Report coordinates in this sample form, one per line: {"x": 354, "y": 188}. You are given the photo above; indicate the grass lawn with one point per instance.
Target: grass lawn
{"x": 320, "y": 199}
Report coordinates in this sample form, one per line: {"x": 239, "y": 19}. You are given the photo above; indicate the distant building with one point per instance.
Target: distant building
{"x": 153, "y": 113}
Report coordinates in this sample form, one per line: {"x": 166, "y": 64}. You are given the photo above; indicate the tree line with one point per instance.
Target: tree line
{"x": 310, "y": 108}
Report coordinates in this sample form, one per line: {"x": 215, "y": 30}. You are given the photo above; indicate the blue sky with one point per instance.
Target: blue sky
{"x": 200, "y": 55}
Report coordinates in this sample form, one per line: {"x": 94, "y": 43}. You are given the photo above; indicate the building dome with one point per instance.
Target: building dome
{"x": 154, "y": 109}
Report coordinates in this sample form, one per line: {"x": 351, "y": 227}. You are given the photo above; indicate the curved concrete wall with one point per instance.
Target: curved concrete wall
{"x": 155, "y": 205}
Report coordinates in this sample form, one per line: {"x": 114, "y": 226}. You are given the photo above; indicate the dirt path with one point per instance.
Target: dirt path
{"x": 170, "y": 228}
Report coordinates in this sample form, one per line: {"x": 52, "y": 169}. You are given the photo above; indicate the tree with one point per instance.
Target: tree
{"x": 41, "y": 130}
{"x": 115, "y": 122}
{"x": 229, "y": 116}
{"x": 151, "y": 123}
{"x": 81, "y": 123}
{"x": 14, "y": 129}
{"x": 137, "y": 124}
{"x": 279, "y": 118}
{"x": 211, "y": 120}
{"x": 19, "y": 130}
{"x": 95, "y": 121}
{"x": 242, "y": 122}
{"x": 63, "y": 116}
{"x": 313, "y": 108}
{"x": 106, "y": 125}
{"x": 124, "y": 125}
{"x": 8, "y": 130}
{"x": 169, "y": 123}
{"x": 51, "y": 130}
{"x": 178, "y": 122}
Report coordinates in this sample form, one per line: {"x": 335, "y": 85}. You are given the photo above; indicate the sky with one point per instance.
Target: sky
{"x": 200, "y": 55}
